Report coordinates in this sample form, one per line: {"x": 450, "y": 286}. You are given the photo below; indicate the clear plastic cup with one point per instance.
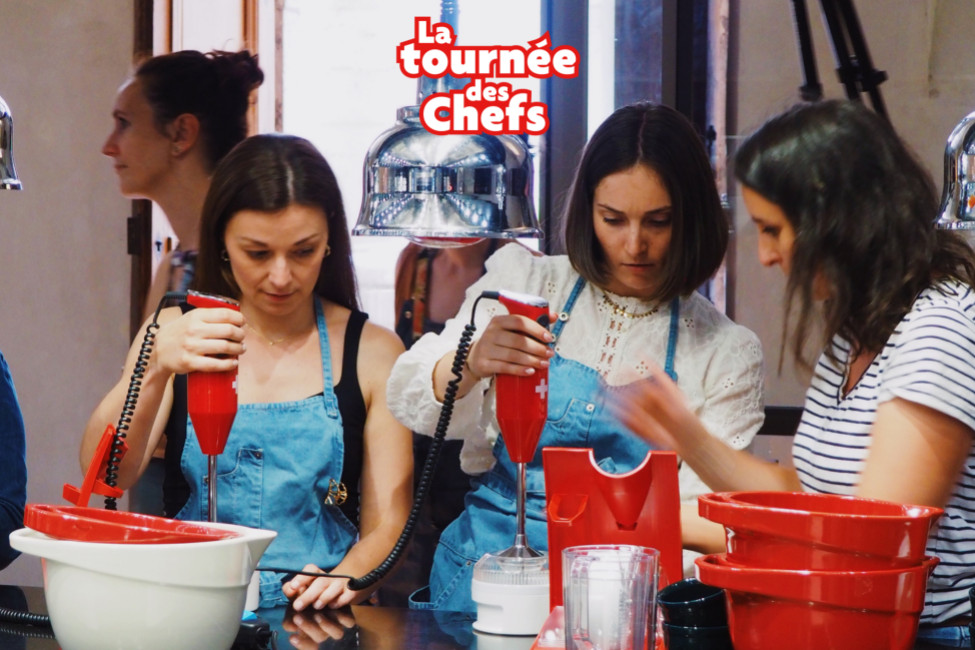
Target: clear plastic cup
{"x": 609, "y": 596}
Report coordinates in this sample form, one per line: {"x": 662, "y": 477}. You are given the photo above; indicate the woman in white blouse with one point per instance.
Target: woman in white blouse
{"x": 644, "y": 228}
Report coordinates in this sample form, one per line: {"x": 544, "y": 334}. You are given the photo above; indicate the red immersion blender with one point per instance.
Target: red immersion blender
{"x": 211, "y": 401}
{"x": 510, "y": 587}
{"x": 522, "y": 406}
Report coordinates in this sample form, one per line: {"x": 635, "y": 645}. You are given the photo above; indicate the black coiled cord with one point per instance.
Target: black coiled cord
{"x": 29, "y": 619}
{"x": 131, "y": 398}
{"x": 430, "y": 464}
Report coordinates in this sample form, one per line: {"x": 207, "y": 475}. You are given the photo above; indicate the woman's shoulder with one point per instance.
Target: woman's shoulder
{"x": 520, "y": 268}
{"x": 512, "y": 250}
{"x": 946, "y": 304}
{"x": 379, "y": 342}
{"x": 948, "y": 293}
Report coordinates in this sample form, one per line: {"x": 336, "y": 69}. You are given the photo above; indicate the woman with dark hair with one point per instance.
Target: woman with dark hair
{"x": 644, "y": 228}
{"x": 314, "y": 452}
{"x": 175, "y": 118}
{"x": 846, "y": 210}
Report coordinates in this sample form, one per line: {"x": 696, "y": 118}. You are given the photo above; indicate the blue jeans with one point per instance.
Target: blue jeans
{"x": 951, "y": 636}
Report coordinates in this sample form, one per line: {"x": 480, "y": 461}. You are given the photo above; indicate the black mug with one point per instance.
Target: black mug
{"x": 691, "y": 603}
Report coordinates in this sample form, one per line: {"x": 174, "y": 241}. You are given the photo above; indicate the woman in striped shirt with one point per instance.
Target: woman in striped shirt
{"x": 846, "y": 210}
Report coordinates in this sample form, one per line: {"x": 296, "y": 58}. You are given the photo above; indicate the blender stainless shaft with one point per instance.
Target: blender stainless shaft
{"x": 520, "y": 548}
{"x": 211, "y": 488}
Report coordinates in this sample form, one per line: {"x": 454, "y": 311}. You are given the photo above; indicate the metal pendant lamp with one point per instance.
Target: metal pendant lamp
{"x": 8, "y": 175}
{"x": 446, "y": 190}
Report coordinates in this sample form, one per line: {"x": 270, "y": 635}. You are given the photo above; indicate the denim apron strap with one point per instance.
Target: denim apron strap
{"x": 672, "y": 339}
{"x": 567, "y": 308}
{"x": 331, "y": 401}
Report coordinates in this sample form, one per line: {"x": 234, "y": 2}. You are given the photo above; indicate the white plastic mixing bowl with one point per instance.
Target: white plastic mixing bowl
{"x": 146, "y": 596}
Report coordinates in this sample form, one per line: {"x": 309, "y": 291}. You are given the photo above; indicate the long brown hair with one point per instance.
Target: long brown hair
{"x": 863, "y": 210}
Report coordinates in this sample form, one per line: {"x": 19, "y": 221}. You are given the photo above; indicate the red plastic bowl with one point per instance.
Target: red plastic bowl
{"x": 805, "y": 530}
{"x": 840, "y": 610}
{"x": 82, "y": 524}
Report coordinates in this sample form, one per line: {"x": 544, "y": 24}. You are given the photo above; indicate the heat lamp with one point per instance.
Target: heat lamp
{"x": 446, "y": 190}
{"x": 958, "y": 194}
{"x": 8, "y": 175}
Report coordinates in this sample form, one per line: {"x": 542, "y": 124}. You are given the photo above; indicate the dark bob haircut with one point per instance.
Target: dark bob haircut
{"x": 268, "y": 173}
{"x": 863, "y": 209}
{"x": 666, "y": 142}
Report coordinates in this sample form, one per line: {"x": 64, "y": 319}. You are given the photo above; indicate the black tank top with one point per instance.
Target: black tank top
{"x": 352, "y": 406}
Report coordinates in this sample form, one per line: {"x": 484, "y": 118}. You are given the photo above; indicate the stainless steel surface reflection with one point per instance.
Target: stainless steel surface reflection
{"x": 365, "y": 627}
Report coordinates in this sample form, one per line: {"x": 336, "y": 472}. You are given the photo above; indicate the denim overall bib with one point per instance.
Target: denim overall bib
{"x": 274, "y": 474}
{"x": 578, "y": 416}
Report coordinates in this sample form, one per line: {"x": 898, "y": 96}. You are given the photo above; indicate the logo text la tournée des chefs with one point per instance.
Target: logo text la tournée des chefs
{"x": 482, "y": 106}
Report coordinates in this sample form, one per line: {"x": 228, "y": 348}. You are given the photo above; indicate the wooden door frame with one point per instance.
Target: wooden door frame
{"x": 139, "y": 223}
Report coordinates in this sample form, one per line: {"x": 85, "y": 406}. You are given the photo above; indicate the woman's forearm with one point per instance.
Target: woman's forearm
{"x": 443, "y": 374}
{"x": 140, "y": 436}
{"x": 725, "y": 469}
{"x": 697, "y": 533}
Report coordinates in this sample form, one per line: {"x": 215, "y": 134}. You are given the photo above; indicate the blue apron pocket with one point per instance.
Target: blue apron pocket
{"x": 450, "y": 582}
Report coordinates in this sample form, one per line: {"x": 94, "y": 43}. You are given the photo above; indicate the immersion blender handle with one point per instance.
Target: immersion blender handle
{"x": 522, "y": 400}
{"x": 211, "y": 397}
{"x": 524, "y": 304}
{"x": 198, "y": 299}
{"x": 211, "y": 401}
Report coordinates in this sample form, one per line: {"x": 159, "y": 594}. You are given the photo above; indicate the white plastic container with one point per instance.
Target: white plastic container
{"x": 511, "y": 594}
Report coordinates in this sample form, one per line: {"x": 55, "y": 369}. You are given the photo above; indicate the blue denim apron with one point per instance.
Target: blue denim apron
{"x": 949, "y": 636}
{"x": 578, "y": 416}
{"x": 276, "y": 454}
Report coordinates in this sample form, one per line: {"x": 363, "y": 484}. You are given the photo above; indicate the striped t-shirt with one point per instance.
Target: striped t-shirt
{"x": 929, "y": 359}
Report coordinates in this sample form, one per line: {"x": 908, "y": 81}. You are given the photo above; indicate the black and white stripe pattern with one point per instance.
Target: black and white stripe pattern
{"x": 930, "y": 360}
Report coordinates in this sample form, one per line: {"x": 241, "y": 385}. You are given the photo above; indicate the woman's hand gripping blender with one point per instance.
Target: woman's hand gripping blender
{"x": 200, "y": 341}
{"x": 514, "y": 344}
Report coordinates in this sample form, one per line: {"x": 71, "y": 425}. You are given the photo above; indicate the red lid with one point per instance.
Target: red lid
{"x": 109, "y": 526}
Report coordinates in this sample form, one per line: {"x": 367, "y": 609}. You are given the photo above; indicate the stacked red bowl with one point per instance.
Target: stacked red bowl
{"x": 806, "y": 570}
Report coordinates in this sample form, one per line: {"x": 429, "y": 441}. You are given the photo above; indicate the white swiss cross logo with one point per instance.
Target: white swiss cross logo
{"x": 542, "y": 388}
{"x": 235, "y": 383}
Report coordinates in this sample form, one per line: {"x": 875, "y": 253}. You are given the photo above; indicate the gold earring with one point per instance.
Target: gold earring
{"x": 328, "y": 250}
{"x": 224, "y": 256}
